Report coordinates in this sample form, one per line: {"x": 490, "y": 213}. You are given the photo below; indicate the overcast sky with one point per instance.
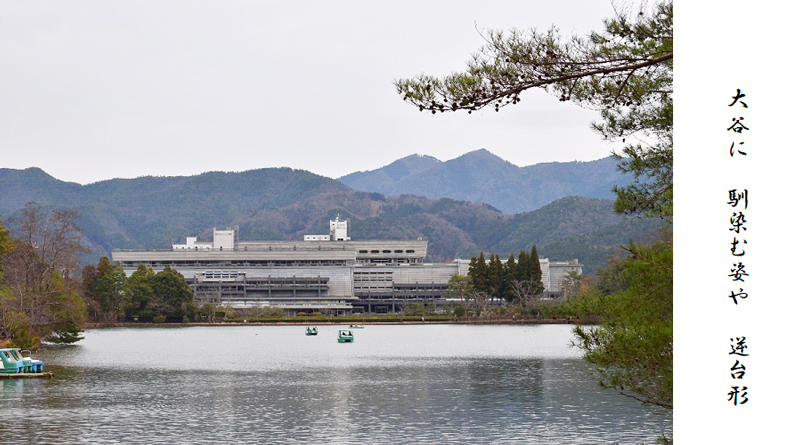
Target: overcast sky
{"x": 94, "y": 90}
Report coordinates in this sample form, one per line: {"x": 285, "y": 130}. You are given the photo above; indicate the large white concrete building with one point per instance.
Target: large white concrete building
{"x": 327, "y": 273}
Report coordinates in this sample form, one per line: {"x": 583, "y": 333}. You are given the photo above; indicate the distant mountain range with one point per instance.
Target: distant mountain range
{"x": 285, "y": 204}
{"x": 480, "y": 176}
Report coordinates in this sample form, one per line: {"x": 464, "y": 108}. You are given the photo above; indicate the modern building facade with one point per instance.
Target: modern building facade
{"x": 327, "y": 273}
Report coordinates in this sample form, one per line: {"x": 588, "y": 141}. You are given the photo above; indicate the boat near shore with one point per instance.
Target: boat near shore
{"x": 17, "y": 363}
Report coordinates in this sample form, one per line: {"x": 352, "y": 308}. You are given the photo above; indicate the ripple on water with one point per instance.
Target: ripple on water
{"x": 506, "y": 384}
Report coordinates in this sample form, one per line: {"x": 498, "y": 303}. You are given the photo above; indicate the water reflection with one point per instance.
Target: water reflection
{"x": 359, "y": 393}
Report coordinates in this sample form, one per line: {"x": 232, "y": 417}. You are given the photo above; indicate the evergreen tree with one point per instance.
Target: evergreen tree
{"x": 511, "y": 268}
{"x": 89, "y": 291}
{"x": 509, "y": 275}
{"x": 479, "y": 274}
{"x": 633, "y": 348}
{"x": 536, "y": 272}
{"x": 459, "y": 286}
{"x": 68, "y": 312}
{"x": 523, "y": 267}
{"x": 140, "y": 294}
{"x": 172, "y": 297}
{"x": 495, "y": 276}
{"x": 110, "y": 287}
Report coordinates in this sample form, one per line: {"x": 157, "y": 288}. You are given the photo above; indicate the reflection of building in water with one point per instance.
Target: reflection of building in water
{"x": 328, "y": 273}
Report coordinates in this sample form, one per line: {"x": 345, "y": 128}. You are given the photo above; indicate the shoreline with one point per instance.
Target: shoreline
{"x": 333, "y": 322}
{"x": 27, "y": 375}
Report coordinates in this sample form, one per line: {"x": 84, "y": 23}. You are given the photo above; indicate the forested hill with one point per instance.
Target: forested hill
{"x": 285, "y": 204}
{"x": 480, "y": 176}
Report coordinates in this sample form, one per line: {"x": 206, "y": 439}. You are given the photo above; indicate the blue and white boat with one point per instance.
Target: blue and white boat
{"x": 19, "y": 361}
{"x": 345, "y": 336}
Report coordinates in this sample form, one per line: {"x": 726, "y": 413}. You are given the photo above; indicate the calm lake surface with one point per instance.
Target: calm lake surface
{"x": 273, "y": 384}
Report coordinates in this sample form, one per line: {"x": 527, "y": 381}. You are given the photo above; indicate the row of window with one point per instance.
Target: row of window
{"x": 357, "y": 278}
{"x": 274, "y": 263}
{"x": 404, "y": 297}
{"x": 386, "y": 251}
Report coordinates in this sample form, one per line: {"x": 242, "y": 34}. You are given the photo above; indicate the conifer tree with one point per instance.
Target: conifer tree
{"x": 509, "y": 275}
{"x": 536, "y": 272}
{"x": 633, "y": 349}
{"x": 479, "y": 273}
{"x": 110, "y": 288}
{"x": 495, "y": 276}
{"x": 511, "y": 267}
{"x": 523, "y": 267}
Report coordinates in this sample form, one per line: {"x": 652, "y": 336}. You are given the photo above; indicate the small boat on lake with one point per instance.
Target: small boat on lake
{"x": 311, "y": 330}
{"x": 356, "y": 326}
{"x": 345, "y": 336}
{"x": 19, "y": 361}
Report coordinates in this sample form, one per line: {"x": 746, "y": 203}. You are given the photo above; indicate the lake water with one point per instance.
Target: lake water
{"x": 273, "y": 384}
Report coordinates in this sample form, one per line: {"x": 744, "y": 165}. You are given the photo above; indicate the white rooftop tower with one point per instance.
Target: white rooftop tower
{"x": 339, "y": 230}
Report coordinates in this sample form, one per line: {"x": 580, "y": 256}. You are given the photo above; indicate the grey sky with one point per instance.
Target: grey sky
{"x": 97, "y": 90}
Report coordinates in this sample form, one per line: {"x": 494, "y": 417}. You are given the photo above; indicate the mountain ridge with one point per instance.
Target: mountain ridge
{"x": 481, "y": 176}
{"x": 285, "y": 204}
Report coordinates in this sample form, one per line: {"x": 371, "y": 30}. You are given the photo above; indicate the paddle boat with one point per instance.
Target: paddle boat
{"x": 19, "y": 361}
{"x": 356, "y": 326}
{"x": 311, "y": 330}
{"x": 345, "y": 336}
